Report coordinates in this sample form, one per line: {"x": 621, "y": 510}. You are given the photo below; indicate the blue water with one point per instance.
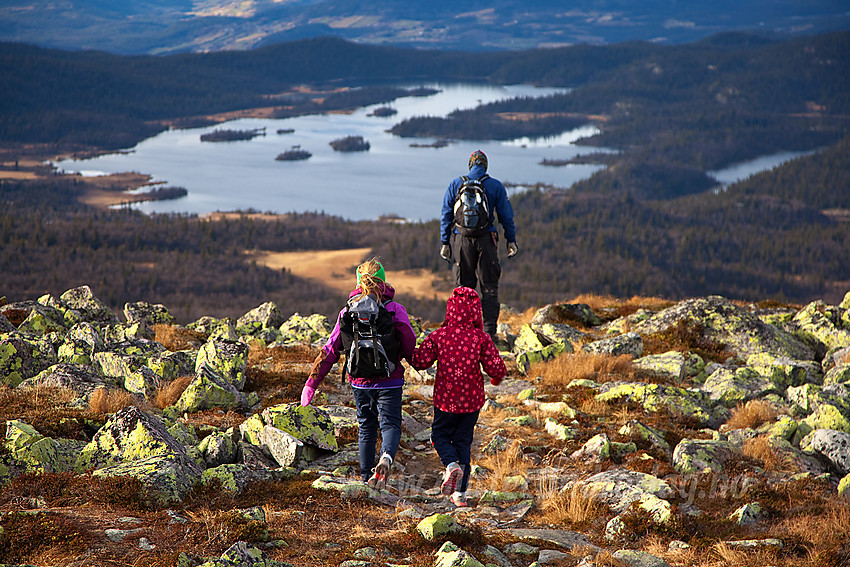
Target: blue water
{"x": 390, "y": 178}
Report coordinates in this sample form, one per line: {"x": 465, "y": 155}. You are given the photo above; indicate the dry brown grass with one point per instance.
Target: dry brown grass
{"x": 844, "y": 358}
{"x": 577, "y": 506}
{"x": 825, "y": 532}
{"x": 105, "y": 401}
{"x": 760, "y": 448}
{"x": 558, "y": 373}
{"x": 751, "y": 414}
{"x": 168, "y": 394}
{"x": 176, "y": 338}
{"x": 622, "y": 307}
{"x": 517, "y": 320}
{"x": 44, "y": 407}
{"x": 504, "y": 464}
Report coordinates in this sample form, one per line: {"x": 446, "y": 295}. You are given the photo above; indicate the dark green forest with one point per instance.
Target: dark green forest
{"x": 752, "y": 241}
{"x": 652, "y": 223}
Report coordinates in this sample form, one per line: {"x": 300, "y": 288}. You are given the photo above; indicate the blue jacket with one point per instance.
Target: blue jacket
{"x": 497, "y": 198}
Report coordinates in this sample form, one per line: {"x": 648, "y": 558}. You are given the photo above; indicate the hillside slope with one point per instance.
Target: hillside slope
{"x": 691, "y": 433}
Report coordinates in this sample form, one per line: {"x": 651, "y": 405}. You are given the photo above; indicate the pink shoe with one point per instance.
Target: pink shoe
{"x": 381, "y": 473}
{"x": 454, "y": 472}
{"x": 459, "y": 500}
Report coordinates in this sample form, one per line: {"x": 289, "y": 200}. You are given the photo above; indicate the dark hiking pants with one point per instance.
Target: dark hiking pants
{"x": 451, "y": 435}
{"x": 476, "y": 265}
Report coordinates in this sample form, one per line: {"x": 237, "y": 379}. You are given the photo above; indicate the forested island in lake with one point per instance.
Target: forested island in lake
{"x": 350, "y": 144}
{"x": 295, "y": 153}
{"x": 224, "y": 135}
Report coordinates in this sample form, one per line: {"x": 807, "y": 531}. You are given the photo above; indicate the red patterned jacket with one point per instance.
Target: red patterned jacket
{"x": 460, "y": 347}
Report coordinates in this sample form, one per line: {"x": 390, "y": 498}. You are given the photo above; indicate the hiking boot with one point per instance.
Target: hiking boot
{"x": 381, "y": 472}
{"x": 459, "y": 499}
{"x": 454, "y": 472}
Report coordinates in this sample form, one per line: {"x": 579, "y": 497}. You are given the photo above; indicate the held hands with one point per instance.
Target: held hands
{"x": 512, "y": 249}
{"x": 307, "y": 395}
{"x": 446, "y": 252}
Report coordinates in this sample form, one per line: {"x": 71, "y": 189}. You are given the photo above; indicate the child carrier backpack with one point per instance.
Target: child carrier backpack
{"x": 368, "y": 339}
{"x": 472, "y": 211}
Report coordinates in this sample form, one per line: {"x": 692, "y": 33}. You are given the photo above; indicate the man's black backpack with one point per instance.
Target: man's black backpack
{"x": 472, "y": 211}
{"x": 368, "y": 339}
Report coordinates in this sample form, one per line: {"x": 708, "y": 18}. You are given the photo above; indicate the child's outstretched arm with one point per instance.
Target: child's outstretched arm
{"x": 322, "y": 364}
{"x": 492, "y": 362}
{"x": 424, "y": 355}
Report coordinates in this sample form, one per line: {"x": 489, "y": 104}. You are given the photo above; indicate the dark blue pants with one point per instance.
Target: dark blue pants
{"x": 476, "y": 265}
{"x": 378, "y": 408}
{"x": 451, "y": 434}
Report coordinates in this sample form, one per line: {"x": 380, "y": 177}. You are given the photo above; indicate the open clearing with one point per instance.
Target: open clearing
{"x": 335, "y": 269}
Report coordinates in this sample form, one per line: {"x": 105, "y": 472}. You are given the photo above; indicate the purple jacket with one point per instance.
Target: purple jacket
{"x": 407, "y": 342}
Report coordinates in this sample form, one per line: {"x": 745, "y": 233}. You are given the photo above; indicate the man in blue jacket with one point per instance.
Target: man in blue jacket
{"x": 476, "y": 258}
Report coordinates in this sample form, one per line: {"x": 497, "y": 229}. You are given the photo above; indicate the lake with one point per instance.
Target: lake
{"x": 391, "y": 178}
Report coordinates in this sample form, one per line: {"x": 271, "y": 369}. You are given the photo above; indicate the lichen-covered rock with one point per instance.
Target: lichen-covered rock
{"x": 170, "y": 365}
{"x": 209, "y": 390}
{"x": 265, "y": 316}
{"x": 701, "y": 455}
{"x": 218, "y": 448}
{"x": 81, "y": 342}
{"x": 837, "y": 375}
{"x": 308, "y": 424}
{"x": 785, "y": 372}
{"x": 558, "y": 430}
{"x": 129, "y": 371}
{"x": 628, "y": 343}
{"x": 36, "y": 452}
{"x": 283, "y": 447}
{"x": 826, "y": 416}
{"x": 527, "y": 339}
{"x": 524, "y": 360}
{"x": 232, "y": 477}
{"x": 436, "y": 526}
{"x": 299, "y": 329}
{"x": 149, "y": 313}
{"x": 243, "y": 554}
{"x": 82, "y": 380}
{"x": 656, "y": 397}
{"x": 563, "y": 312}
{"x": 132, "y": 435}
{"x": 347, "y": 488}
{"x": 834, "y": 446}
{"x": 166, "y": 478}
{"x": 720, "y": 320}
{"x": 748, "y": 514}
{"x": 5, "y": 325}
{"x": 620, "y": 488}
{"x": 732, "y": 386}
{"x": 449, "y": 555}
{"x": 22, "y": 358}
{"x": 555, "y": 333}
{"x": 227, "y": 359}
{"x": 33, "y": 318}
{"x": 82, "y": 299}
{"x": 638, "y": 558}
{"x": 596, "y": 449}
{"x": 672, "y": 365}
{"x": 637, "y": 430}
{"x": 821, "y": 327}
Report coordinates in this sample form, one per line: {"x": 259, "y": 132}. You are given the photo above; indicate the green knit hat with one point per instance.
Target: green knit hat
{"x": 379, "y": 274}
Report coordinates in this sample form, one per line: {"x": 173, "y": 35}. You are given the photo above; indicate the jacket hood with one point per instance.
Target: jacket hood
{"x": 477, "y": 171}
{"x": 387, "y": 292}
{"x": 463, "y": 309}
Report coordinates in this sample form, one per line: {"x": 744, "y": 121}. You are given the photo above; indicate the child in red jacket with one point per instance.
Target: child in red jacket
{"x": 459, "y": 346}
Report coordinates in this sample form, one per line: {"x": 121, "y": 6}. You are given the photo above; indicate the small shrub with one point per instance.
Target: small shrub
{"x": 751, "y": 414}
{"x": 105, "y": 400}
{"x": 760, "y": 448}
{"x": 176, "y": 338}
{"x": 577, "y": 506}
{"x": 26, "y": 534}
{"x": 561, "y": 371}
{"x": 168, "y": 394}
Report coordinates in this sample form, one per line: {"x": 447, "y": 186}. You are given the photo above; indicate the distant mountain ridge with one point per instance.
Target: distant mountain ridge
{"x": 171, "y": 26}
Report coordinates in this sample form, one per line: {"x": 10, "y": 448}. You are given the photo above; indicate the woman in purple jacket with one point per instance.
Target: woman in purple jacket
{"x": 378, "y": 400}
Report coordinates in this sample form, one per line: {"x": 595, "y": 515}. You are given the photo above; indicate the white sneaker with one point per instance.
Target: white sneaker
{"x": 381, "y": 472}
{"x": 454, "y": 472}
